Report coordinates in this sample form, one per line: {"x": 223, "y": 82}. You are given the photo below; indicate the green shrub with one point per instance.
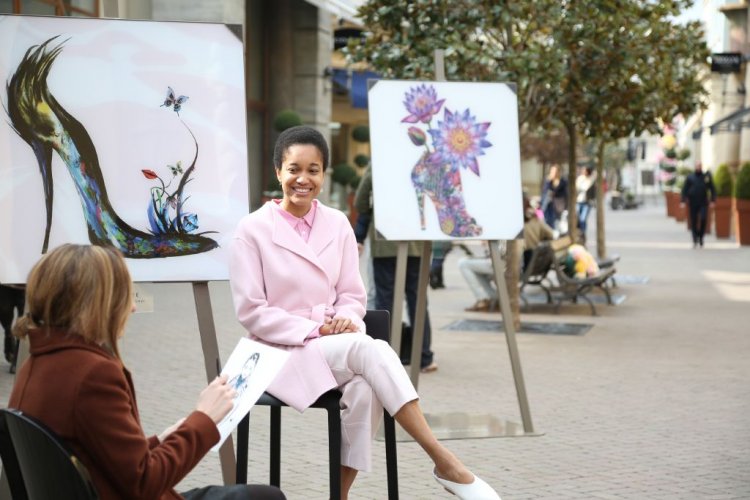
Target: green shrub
{"x": 683, "y": 154}
{"x": 273, "y": 188}
{"x": 286, "y": 119}
{"x": 343, "y": 173}
{"x": 723, "y": 181}
{"x": 361, "y": 160}
{"x": 361, "y": 133}
{"x": 742, "y": 183}
{"x": 354, "y": 183}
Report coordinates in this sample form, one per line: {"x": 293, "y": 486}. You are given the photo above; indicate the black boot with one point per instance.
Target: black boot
{"x": 440, "y": 283}
{"x": 10, "y": 348}
{"x": 433, "y": 279}
{"x": 436, "y": 278}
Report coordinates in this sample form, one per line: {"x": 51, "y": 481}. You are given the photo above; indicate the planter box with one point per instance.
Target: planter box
{"x": 742, "y": 214}
{"x": 673, "y": 203}
{"x": 668, "y": 203}
{"x": 680, "y": 211}
{"x": 723, "y": 213}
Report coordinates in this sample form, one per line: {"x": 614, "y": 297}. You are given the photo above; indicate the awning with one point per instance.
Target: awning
{"x": 732, "y": 122}
{"x": 341, "y": 8}
{"x": 355, "y": 83}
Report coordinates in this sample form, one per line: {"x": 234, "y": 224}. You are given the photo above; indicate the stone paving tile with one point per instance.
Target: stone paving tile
{"x": 651, "y": 403}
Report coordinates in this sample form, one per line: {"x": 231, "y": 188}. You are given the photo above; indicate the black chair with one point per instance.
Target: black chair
{"x": 378, "y": 326}
{"x": 37, "y": 464}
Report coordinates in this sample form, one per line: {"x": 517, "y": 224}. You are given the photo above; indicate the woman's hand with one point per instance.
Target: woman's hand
{"x": 217, "y": 399}
{"x": 336, "y": 325}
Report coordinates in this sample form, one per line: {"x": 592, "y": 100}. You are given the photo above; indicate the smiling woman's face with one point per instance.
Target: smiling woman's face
{"x": 301, "y": 177}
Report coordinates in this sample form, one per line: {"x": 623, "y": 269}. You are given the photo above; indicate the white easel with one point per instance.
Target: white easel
{"x": 421, "y": 307}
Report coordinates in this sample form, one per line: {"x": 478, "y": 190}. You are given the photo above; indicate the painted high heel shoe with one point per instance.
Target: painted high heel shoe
{"x": 46, "y": 126}
{"x": 441, "y": 182}
{"x": 476, "y": 490}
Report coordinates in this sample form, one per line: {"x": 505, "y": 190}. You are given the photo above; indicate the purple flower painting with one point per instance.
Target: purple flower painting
{"x": 457, "y": 141}
{"x": 422, "y": 104}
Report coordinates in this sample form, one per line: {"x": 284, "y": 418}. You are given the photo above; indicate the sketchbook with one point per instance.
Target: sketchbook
{"x": 250, "y": 369}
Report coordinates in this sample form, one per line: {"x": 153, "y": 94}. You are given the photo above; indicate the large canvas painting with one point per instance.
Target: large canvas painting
{"x": 122, "y": 133}
{"x": 445, "y": 160}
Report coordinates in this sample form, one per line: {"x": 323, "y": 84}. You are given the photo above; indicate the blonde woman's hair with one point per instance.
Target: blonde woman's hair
{"x": 82, "y": 289}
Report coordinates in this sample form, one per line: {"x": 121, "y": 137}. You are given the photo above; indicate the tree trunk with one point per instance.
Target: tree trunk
{"x": 512, "y": 276}
{"x": 601, "y": 249}
{"x": 572, "y": 171}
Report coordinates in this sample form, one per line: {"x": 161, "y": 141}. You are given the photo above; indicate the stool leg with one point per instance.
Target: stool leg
{"x": 275, "y": 446}
{"x": 243, "y": 431}
{"x": 334, "y": 452}
{"x": 389, "y": 428}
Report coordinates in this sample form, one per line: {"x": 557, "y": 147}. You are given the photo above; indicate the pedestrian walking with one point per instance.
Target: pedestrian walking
{"x": 698, "y": 193}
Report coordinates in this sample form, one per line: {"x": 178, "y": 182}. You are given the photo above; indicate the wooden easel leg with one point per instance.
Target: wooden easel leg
{"x": 419, "y": 316}
{"x": 212, "y": 364}
{"x": 510, "y": 336}
{"x": 399, "y": 284}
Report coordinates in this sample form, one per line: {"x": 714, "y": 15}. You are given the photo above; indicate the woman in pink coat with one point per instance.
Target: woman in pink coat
{"x": 296, "y": 285}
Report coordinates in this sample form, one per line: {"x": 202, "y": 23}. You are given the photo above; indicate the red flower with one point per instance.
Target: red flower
{"x": 149, "y": 174}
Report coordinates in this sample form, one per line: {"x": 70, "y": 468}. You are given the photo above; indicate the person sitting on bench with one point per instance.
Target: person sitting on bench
{"x": 478, "y": 272}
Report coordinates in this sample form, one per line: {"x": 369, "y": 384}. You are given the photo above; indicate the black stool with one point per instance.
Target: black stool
{"x": 378, "y": 326}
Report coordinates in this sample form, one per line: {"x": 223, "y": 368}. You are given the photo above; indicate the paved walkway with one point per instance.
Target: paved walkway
{"x": 652, "y": 403}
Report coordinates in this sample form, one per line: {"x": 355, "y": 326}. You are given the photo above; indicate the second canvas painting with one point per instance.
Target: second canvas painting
{"x": 445, "y": 160}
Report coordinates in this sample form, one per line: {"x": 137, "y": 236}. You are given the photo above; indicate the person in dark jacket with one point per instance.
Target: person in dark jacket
{"x": 698, "y": 192}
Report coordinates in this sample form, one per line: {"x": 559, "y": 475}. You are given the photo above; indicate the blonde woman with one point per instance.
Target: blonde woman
{"x": 79, "y": 298}
{"x": 554, "y": 196}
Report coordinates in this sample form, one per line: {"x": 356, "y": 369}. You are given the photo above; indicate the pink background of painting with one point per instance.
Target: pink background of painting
{"x": 112, "y": 76}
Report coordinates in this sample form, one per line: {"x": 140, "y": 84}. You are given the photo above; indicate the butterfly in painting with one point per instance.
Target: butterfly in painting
{"x": 176, "y": 102}
{"x": 176, "y": 169}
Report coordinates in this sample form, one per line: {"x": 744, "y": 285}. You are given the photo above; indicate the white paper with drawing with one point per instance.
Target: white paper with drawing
{"x": 251, "y": 368}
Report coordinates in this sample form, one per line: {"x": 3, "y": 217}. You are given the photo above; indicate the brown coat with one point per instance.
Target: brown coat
{"x": 86, "y": 396}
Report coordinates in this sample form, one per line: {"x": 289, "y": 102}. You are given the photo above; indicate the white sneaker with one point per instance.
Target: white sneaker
{"x": 476, "y": 490}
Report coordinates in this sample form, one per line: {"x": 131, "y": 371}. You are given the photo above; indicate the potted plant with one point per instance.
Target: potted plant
{"x": 273, "y": 190}
{"x": 723, "y": 206}
{"x": 361, "y": 133}
{"x": 286, "y": 119}
{"x": 361, "y": 160}
{"x": 742, "y": 204}
{"x": 668, "y": 177}
{"x": 342, "y": 176}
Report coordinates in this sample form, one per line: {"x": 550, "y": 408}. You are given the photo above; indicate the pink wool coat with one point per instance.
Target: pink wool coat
{"x": 284, "y": 287}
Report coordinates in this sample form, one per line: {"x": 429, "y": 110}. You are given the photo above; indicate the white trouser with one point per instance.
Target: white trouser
{"x": 370, "y": 377}
{"x": 478, "y": 273}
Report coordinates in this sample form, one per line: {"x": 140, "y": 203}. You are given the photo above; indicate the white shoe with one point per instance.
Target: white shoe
{"x": 476, "y": 490}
